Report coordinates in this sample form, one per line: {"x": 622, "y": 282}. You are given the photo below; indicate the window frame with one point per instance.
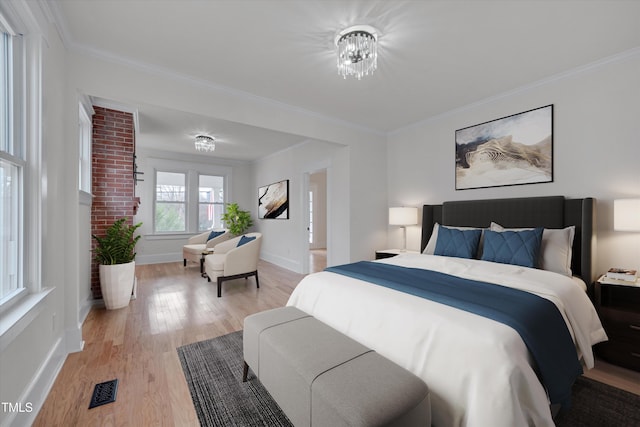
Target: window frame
{"x": 18, "y": 308}
{"x": 85, "y": 139}
{"x": 185, "y": 202}
{"x": 223, "y": 204}
{"x": 153, "y": 161}
{"x": 12, "y": 149}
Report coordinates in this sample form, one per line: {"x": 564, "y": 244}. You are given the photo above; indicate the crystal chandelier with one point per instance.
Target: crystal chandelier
{"x": 357, "y": 51}
{"x": 205, "y": 143}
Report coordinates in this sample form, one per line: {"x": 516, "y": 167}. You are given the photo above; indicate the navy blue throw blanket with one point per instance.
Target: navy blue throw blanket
{"x": 536, "y": 319}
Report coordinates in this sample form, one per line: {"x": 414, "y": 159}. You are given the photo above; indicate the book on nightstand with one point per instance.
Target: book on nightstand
{"x": 609, "y": 281}
{"x": 622, "y": 274}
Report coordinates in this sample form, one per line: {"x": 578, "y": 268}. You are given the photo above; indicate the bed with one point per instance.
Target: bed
{"x": 479, "y": 370}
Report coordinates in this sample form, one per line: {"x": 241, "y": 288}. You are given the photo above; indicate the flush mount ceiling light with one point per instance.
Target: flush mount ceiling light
{"x": 205, "y": 143}
{"x": 357, "y": 51}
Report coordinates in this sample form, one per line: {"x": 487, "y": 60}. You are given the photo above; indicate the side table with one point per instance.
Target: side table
{"x": 202, "y": 256}
{"x": 618, "y": 306}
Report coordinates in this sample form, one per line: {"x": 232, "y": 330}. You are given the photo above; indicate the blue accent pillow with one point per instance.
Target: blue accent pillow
{"x": 513, "y": 247}
{"x": 214, "y": 234}
{"x": 457, "y": 243}
{"x": 244, "y": 240}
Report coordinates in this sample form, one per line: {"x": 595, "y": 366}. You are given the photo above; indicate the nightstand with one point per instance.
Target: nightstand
{"x": 618, "y": 306}
{"x": 388, "y": 253}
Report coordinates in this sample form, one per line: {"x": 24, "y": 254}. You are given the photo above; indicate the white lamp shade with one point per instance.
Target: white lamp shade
{"x": 626, "y": 215}
{"x": 403, "y": 216}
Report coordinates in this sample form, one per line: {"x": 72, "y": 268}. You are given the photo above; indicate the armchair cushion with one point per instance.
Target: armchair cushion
{"x": 244, "y": 240}
{"x": 214, "y": 234}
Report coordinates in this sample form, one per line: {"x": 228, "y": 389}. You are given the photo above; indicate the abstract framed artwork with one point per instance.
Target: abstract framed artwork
{"x": 273, "y": 200}
{"x": 512, "y": 150}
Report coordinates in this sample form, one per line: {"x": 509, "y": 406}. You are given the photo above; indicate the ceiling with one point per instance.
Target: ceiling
{"x": 434, "y": 56}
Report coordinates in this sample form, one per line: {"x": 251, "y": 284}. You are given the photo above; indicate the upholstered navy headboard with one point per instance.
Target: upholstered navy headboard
{"x": 548, "y": 212}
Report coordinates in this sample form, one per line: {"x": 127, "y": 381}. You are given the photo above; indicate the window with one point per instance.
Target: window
{"x": 188, "y": 200}
{"x": 84, "y": 138}
{"x": 210, "y": 202}
{"x": 171, "y": 202}
{"x": 12, "y": 165}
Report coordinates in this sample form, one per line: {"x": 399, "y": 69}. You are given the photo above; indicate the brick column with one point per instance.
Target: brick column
{"x": 113, "y": 185}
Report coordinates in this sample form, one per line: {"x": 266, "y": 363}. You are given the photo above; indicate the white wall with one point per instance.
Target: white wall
{"x": 361, "y": 226}
{"x": 285, "y": 242}
{"x": 33, "y": 350}
{"x": 596, "y": 150}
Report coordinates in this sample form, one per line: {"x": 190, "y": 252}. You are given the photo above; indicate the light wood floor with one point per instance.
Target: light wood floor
{"x": 137, "y": 345}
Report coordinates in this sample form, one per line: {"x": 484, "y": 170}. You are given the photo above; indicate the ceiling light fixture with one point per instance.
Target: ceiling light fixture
{"x": 205, "y": 143}
{"x": 357, "y": 51}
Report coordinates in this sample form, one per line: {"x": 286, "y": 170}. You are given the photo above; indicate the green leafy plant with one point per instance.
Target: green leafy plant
{"x": 118, "y": 245}
{"x": 237, "y": 220}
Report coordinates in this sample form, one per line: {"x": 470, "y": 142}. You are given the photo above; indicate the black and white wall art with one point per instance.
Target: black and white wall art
{"x": 513, "y": 150}
{"x": 273, "y": 201}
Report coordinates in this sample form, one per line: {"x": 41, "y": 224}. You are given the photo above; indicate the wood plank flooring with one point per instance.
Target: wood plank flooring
{"x": 137, "y": 345}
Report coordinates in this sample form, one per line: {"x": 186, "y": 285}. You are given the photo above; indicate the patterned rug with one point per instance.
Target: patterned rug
{"x": 213, "y": 369}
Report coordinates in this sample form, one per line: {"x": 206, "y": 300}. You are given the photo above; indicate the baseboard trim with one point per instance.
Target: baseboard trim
{"x": 283, "y": 262}
{"x": 38, "y": 390}
{"x": 158, "y": 258}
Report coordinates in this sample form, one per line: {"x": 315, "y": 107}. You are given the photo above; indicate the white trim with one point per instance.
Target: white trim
{"x": 35, "y": 181}
{"x": 37, "y": 390}
{"x": 73, "y": 339}
{"x": 85, "y": 198}
{"x": 280, "y": 261}
{"x": 18, "y": 317}
{"x": 623, "y": 56}
{"x": 81, "y": 49}
{"x": 159, "y": 258}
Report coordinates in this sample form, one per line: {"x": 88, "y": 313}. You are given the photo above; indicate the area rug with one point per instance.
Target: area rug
{"x": 213, "y": 369}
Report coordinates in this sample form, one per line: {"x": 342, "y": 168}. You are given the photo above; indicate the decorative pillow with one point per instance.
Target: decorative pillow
{"x": 244, "y": 240}
{"x": 431, "y": 244}
{"x": 513, "y": 247}
{"x": 457, "y": 243}
{"x": 555, "y": 249}
{"x": 214, "y": 234}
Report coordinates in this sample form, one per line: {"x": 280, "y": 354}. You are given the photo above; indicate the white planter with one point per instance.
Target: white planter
{"x": 116, "y": 284}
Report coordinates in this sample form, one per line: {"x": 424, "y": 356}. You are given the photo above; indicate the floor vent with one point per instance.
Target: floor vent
{"x": 104, "y": 393}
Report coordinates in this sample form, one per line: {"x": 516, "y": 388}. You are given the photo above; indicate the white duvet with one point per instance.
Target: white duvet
{"x": 478, "y": 370}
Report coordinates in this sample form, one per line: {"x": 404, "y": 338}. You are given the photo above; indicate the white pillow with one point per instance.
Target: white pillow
{"x": 431, "y": 244}
{"x": 555, "y": 249}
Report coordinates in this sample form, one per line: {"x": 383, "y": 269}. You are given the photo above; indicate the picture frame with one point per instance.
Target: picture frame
{"x": 273, "y": 200}
{"x": 512, "y": 150}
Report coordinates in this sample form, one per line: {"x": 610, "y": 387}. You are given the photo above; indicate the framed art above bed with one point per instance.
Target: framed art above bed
{"x": 512, "y": 150}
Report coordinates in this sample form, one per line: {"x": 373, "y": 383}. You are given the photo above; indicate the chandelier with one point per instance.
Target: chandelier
{"x": 357, "y": 51}
{"x": 205, "y": 143}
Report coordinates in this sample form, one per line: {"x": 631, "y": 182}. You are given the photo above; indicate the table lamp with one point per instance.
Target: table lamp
{"x": 403, "y": 216}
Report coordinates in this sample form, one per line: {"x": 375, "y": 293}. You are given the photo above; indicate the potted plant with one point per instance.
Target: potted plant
{"x": 115, "y": 252}
{"x": 237, "y": 220}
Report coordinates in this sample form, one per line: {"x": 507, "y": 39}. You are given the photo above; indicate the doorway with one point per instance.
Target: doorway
{"x": 316, "y": 220}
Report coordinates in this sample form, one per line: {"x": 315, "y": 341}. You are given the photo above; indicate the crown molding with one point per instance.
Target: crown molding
{"x": 81, "y": 49}
{"x": 620, "y": 57}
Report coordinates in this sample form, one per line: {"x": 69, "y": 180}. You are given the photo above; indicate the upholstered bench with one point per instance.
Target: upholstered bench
{"x": 321, "y": 377}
